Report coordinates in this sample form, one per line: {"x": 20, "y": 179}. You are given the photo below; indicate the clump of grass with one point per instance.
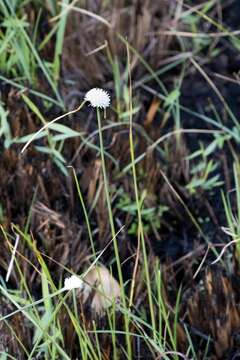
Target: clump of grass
{"x": 19, "y": 55}
{"x": 44, "y": 317}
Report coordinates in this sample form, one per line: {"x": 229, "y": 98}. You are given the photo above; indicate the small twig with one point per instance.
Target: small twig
{"x": 82, "y": 11}
{"x": 101, "y": 47}
{"x": 194, "y": 35}
{"x": 202, "y": 262}
{"x": 224, "y": 249}
{"x": 226, "y": 231}
{"x": 172, "y": 353}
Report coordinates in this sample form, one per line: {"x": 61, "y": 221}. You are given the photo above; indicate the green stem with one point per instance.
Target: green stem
{"x": 85, "y": 212}
{"x": 106, "y": 186}
{"x": 140, "y": 225}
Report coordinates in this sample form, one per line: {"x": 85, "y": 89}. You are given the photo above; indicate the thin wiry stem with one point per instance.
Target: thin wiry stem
{"x": 105, "y": 178}
{"x": 140, "y": 225}
{"x": 48, "y": 124}
{"x": 12, "y": 258}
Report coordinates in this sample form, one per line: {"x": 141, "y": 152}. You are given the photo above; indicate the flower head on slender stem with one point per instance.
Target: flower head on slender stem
{"x": 98, "y": 98}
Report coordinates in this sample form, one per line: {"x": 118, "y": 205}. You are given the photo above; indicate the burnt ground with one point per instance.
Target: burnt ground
{"x": 32, "y": 186}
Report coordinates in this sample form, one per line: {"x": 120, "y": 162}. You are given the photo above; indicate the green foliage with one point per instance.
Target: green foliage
{"x": 204, "y": 176}
{"x": 19, "y": 56}
{"x": 151, "y": 217}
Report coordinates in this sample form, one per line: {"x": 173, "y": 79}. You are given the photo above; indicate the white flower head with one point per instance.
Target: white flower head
{"x": 98, "y": 98}
{"x": 73, "y": 282}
